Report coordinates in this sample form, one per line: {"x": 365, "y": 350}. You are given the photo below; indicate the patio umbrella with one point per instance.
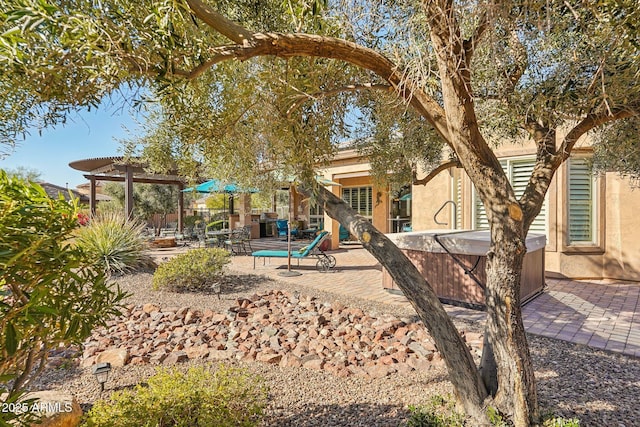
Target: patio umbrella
{"x": 217, "y": 186}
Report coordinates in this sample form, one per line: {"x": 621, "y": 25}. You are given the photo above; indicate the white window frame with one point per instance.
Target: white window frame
{"x": 369, "y": 202}
{"x": 596, "y": 227}
{"x": 508, "y": 164}
{"x": 316, "y": 214}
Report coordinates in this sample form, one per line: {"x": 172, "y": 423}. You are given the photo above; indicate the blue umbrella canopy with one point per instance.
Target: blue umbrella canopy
{"x": 217, "y": 186}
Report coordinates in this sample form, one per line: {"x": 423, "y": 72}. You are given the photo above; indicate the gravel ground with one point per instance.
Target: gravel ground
{"x": 597, "y": 387}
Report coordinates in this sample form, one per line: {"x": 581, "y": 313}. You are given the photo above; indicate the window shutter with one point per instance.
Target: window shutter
{"x": 580, "y": 202}
{"x": 360, "y": 199}
{"x": 518, "y": 172}
{"x": 458, "y": 218}
{"x": 480, "y": 215}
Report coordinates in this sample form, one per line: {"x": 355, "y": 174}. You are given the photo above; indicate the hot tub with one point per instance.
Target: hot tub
{"x": 454, "y": 262}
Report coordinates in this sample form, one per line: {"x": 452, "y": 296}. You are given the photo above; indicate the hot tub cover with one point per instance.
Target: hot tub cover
{"x": 468, "y": 242}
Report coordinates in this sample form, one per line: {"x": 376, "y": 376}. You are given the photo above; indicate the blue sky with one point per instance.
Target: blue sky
{"x": 86, "y": 135}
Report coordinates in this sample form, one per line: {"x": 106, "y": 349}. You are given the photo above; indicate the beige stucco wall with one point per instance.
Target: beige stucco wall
{"x": 616, "y": 254}
{"x": 428, "y": 199}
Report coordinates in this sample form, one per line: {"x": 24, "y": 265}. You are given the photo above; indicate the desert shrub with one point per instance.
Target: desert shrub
{"x": 197, "y": 269}
{"x": 116, "y": 243}
{"x": 50, "y": 292}
{"x": 439, "y": 412}
{"x": 218, "y": 225}
{"x": 553, "y": 421}
{"x": 199, "y": 397}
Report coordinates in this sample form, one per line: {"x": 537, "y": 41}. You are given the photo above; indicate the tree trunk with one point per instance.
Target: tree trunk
{"x": 506, "y": 366}
{"x": 463, "y": 373}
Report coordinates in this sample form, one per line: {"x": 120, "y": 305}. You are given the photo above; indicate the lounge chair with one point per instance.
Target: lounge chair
{"x": 313, "y": 250}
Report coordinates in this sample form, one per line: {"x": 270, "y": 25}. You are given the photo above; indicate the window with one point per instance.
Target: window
{"x": 316, "y": 215}
{"x": 581, "y": 218}
{"x": 518, "y": 171}
{"x": 360, "y": 199}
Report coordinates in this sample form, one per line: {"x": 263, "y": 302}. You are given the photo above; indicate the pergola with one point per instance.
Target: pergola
{"x": 119, "y": 169}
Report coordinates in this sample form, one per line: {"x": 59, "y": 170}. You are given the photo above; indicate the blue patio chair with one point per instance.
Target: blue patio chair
{"x": 343, "y": 233}
{"x": 283, "y": 228}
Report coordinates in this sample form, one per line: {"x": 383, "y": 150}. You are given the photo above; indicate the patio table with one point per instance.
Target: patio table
{"x": 219, "y": 235}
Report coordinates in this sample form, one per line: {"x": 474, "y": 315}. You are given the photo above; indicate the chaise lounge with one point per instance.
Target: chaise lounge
{"x": 324, "y": 263}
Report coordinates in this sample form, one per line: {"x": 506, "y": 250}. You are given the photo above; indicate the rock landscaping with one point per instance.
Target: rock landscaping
{"x": 274, "y": 327}
{"x": 330, "y": 389}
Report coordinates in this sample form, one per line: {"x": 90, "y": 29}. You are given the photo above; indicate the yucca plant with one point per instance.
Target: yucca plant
{"x": 115, "y": 242}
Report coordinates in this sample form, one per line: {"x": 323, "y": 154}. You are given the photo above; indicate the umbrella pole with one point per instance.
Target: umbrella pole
{"x": 289, "y": 272}
{"x": 289, "y": 245}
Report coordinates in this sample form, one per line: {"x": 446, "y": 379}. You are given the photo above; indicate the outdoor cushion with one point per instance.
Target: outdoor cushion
{"x": 276, "y": 254}
{"x": 267, "y": 253}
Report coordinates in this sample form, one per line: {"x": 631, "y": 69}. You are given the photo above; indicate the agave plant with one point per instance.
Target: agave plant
{"x": 115, "y": 242}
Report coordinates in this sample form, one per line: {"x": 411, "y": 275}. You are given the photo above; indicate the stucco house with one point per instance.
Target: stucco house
{"x": 590, "y": 222}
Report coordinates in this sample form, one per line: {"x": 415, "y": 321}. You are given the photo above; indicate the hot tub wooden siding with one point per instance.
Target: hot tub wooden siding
{"x": 452, "y": 285}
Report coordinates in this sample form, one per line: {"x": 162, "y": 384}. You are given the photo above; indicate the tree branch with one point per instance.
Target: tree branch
{"x": 250, "y": 45}
{"x": 470, "y": 44}
{"x": 213, "y": 19}
{"x": 520, "y": 55}
{"x": 549, "y": 160}
{"x": 324, "y": 94}
{"x": 590, "y": 122}
{"x": 444, "y": 166}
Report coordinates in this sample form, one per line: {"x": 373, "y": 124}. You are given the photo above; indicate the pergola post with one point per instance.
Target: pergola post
{"x": 92, "y": 195}
{"x": 180, "y": 207}
{"x": 128, "y": 191}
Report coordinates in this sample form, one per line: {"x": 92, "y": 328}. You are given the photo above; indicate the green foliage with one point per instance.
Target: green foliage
{"x": 24, "y": 173}
{"x": 552, "y": 421}
{"x": 217, "y": 202}
{"x": 194, "y": 270}
{"x": 439, "y": 412}
{"x": 199, "y": 397}
{"x": 217, "y": 225}
{"x": 496, "y": 418}
{"x": 115, "y": 243}
{"x": 148, "y": 199}
{"x": 192, "y": 220}
{"x": 50, "y": 291}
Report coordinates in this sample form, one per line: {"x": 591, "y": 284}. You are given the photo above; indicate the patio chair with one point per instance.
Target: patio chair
{"x": 238, "y": 241}
{"x": 313, "y": 250}
{"x": 283, "y": 227}
{"x": 343, "y": 233}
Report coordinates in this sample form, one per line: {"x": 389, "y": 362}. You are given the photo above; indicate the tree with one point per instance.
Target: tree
{"x": 459, "y": 75}
{"x": 149, "y": 199}
{"x": 24, "y": 173}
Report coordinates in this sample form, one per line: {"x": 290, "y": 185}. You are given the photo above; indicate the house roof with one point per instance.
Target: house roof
{"x": 54, "y": 191}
